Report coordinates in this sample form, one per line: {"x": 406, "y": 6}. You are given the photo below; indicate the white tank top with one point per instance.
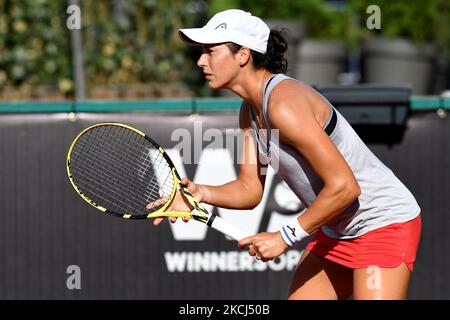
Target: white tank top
{"x": 384, "y": 198}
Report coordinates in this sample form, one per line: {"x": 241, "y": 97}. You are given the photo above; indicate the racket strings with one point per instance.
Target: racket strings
{"x": 157, "y": 164}
{"x": 114, "y": 169}
{"x": 94, "y": 188}
{"x": 120, "y": 170}
{"x": 114, "y": 192}
{"x": 116, "y": 164}
{"x": 120, "y": 153}
{"x": 105, "y": 198}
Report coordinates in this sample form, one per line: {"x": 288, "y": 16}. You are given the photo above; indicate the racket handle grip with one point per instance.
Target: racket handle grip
{"x": 228, "y": 229}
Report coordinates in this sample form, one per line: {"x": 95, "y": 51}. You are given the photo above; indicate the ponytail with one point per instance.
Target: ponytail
{"x": 274, "y": 59}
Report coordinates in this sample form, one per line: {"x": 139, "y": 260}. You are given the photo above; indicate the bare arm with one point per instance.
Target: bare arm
{"x": 299, "y": 128}
{"x": 247, "y": 190}
{"x": 243, "y": 193}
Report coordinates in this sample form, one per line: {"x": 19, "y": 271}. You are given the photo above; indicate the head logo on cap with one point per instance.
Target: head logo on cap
{"x": 222, "y": 26}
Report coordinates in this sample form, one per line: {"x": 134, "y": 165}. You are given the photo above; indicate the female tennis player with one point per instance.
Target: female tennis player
{"x": 367, "y": 223}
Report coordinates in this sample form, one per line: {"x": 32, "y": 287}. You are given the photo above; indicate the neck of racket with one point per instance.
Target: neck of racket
{"x": 227, "y": 228}
{"x": 213, "y": 220}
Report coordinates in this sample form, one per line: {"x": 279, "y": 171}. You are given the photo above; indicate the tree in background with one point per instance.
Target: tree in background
{"x": 419, "y": 21}
{"x": 34, "y": 46}
{"x": 135, "y": 41}
{"x": 128, "y": 44}
{"x": 320, "y": 19}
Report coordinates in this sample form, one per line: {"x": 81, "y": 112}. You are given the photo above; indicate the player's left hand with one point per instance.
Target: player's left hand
{"x": 265, "y": 246}
{"x": 179, "y": 203}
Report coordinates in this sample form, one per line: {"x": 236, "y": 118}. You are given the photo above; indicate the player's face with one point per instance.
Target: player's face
{"x": 220, "y": 66}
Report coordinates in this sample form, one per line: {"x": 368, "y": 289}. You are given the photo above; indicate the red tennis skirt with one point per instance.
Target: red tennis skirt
{"x": 385, "y": 247}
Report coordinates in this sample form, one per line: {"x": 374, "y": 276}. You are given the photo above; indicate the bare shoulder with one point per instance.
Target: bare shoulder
{"x": 289, "y": 100}
{"x": 293, "y": 100}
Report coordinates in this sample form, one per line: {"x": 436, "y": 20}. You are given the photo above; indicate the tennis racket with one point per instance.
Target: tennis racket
{"x": 119, "y": 170}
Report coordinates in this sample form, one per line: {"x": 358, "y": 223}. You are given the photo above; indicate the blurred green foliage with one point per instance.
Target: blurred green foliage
{"x": 320, "y": 19}
{"x": 419, "y": 21}
{"x": 125, "y": 42}
{"x": 34, "y": 43}
{"x": 133, "y": 43}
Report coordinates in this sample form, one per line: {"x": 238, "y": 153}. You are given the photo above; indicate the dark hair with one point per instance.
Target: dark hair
{"x": 273, "y": 60}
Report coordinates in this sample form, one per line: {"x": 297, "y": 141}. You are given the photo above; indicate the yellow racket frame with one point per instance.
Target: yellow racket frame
{"x": 199, "y": 213}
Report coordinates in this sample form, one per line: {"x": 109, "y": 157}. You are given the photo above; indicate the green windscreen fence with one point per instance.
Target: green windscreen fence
{"x": 417, "y": 103}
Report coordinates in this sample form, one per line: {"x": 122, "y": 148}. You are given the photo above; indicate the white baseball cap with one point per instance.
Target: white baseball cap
{"x": 231, "y": 25}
